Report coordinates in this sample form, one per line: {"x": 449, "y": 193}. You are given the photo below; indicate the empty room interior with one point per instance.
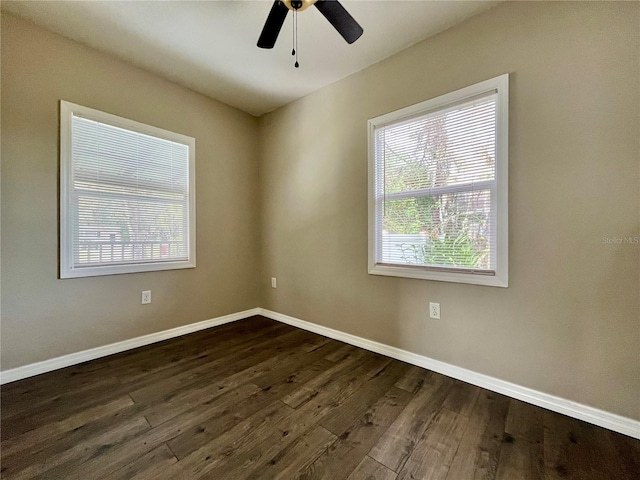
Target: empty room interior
{"x": 320, "y": 240}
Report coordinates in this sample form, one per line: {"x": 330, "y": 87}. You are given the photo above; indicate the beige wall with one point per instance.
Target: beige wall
{"x": 43, "y": 317}
{"x": 569, "y": 323}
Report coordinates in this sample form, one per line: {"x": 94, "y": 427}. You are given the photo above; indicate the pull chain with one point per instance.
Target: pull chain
{"x": 295, "y": 37}
{"x": 293, "y": 34}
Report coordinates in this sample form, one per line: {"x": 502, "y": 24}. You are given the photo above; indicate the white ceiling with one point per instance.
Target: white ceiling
{"x": 210, "y": 46}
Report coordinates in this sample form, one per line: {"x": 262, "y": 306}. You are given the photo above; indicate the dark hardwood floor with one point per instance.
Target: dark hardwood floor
{"x": 259, "y": 399}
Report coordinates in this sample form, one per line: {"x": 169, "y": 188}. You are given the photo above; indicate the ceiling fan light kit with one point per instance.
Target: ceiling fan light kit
{"x": 332, "y": 10}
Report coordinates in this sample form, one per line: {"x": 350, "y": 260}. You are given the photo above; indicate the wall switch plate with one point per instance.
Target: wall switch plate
{"x": 434, "y": 310}
{"x": 146, "y": 297}
{"x": 273, "y": 282}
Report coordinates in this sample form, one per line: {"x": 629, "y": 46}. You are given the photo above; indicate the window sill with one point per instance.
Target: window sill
{"x": 498, "y": 280}
{"x": 122, "y": 269}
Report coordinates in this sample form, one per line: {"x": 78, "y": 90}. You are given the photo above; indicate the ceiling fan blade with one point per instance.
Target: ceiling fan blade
{"x": 341, "y": 20}
{"x": 273, "y": 25}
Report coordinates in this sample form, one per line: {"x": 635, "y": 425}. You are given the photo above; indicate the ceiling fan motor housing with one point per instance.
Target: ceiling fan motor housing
{"x": 332, "y": 10}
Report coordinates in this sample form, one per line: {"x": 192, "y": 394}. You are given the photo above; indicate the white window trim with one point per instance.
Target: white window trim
{"x": 501, "y": 277}
{"x": 67, "y": 110}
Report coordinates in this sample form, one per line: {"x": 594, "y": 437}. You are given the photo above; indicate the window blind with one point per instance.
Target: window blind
{"x": 129, "y": 198}
{"x": 435, "y": 188}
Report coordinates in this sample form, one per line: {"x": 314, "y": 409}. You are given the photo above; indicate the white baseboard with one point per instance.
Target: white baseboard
{"x": 589, "y": 414}
{"x": 98, "y": 352}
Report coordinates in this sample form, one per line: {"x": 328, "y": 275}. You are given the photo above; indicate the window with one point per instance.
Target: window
{"x": 438, "y": 188}
{"x": 127, "y": 195}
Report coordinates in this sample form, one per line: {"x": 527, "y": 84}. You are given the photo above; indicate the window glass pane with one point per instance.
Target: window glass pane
{"x": 448, "y": 230}
{"x": 120, "y": 230}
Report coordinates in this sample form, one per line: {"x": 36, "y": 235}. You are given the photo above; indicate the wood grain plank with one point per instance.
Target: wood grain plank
{"x": 61, "y": 408}
{"x": 206, "y": 431}
{"x": 331, "y": 396}
{"x": 477, "y": 455}
{"x": 433, "y": 455}
{"x": 628, "y": 452}
{"x": 53, "y": 429}
{"x": 522, "y": 451}
{"x": 312, "y": 388}
{"x": 524, "y": 421}
{"x": 62, "y": 454}
{"x": 342, "y": 353}
{"x": 73, "y": 394}
{"x": 461, "y": 398}
{"x": 369, "y": 469}
{"x": 285, "y": 463}
{"x": 395, "y": 446}
{"x": 205, "y": 355}
{"x": 563, "y": 456}
{"x": 215, "y": 384}
{"x": 369, "y": 392}
{"x": 285, "y": 367}
{"x": 343, "y": 456}
{"x": 111, "y": 457}
{"x": 230, "y": 447}
{"x": 413, "y": 379}
{"x": 520, "y": 459}
{"x": 573, "y": 449}
{"x": 215, "y": 367}
{"x": 147, "y": 466}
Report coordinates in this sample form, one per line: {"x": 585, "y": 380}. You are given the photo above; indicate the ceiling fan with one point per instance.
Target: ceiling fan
{"x": 332, "y": 10}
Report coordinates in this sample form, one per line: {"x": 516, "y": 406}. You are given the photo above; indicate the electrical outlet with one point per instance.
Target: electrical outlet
{"x": 273, "y": 282}
{"x": 146, "y": 297}
{"x": 434, "y": 310}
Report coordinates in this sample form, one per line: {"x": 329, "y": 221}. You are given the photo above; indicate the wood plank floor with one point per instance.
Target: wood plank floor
{"x": 258, "y": 399}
